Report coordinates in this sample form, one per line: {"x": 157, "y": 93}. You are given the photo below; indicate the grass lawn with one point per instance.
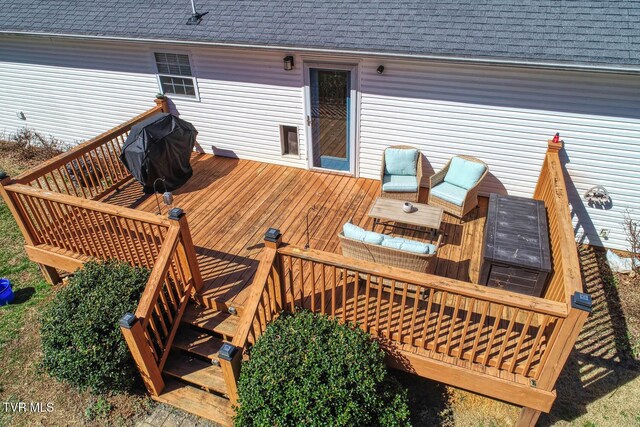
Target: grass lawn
{"x": 600, "y": 384}
{"x": 21, "y": 379}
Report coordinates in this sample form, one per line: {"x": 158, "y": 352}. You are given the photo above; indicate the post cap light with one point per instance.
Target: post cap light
{"x": 380, "y": 69}
{"x": 227, "y": 351}
{"x": 128, "y": 320}
{"x": 272, "y": 235}
{"x": 288, "y": 63}
{"x": 176, "y": 213}
{"x": 582, "y": 301}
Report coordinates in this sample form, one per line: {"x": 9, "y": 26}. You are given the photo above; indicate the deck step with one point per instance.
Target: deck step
{"x": 198, "y": 402}
{"x": 195, "y": 371}
{"x": 219, "y": 322}
{"x": 197, "y": 342}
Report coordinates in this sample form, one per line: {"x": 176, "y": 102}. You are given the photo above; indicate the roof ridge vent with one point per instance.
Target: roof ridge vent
{"x": 196, "y": 17}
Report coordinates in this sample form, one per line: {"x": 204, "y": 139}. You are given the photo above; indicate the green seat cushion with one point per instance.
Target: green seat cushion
{"x": 463, "y": 173}
{"x": 352, "y": 231}
{"x": 449, "y": 192}
{"x": 408, "y": 245}
{"x": 399, "y": 184}
{"x": 400, "y": 161}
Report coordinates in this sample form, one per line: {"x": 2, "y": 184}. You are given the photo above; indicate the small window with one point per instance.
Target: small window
{"x": 175, "y": 76}
{"x": 289, "y": 140}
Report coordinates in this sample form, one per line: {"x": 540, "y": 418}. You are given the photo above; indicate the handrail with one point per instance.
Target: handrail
{"x": 425, "y": 280}
{"x": 83, "y": 148}
{"x": 551, "y": 188}
{"x": 150, "y": 332}
{"x": 94, "y": 205}
{"x": 257, "y": 288}
{"x": 158, "y": 274}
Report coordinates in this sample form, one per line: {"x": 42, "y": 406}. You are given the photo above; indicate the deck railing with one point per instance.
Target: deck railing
{"x": 91, "y": 169}
{"x": 64, "y": 225}
{"x": 175, "y": 277}
{"x": 452, "y": 331}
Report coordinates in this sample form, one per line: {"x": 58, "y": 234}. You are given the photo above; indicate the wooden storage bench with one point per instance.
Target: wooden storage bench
{"x": 516, "y": 253}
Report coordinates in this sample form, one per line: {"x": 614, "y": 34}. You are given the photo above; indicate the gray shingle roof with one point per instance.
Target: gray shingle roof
{"x": 577, "y": 32}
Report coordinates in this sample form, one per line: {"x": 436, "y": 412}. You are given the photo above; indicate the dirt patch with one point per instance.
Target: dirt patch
{"x": 25, "y": 149}
{"x": 600, "y": 384}
{"x": 22, "y": 380}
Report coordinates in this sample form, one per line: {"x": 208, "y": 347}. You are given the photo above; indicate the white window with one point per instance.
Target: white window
{"x": 175, "y": 76}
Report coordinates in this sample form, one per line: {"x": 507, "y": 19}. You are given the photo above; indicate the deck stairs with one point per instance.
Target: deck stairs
{"x": 193, "y": 377}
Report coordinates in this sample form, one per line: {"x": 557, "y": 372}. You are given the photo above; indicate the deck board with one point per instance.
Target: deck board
{"x": 230, "y": 203}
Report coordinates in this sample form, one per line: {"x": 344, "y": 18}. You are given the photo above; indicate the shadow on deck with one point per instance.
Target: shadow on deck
{"x": 230, "y": 203}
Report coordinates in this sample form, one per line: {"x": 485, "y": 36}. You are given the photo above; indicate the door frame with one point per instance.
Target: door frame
{"x": 353, "y": 113}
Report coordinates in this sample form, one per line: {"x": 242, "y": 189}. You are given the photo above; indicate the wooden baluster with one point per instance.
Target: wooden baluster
{"x": 492, "y": 336}
{"x": 534, "y": 347}
{"x": 345, "y": 279}
{"x": 522, "y": 339}
{"x": 392, "y": 297}
{"x": 507, "y": 338}
{"x": 452, "y": 324}
{"x": 427, "y": 318}
{"x": 323, "y": 289}
{"x": 301, "y": 281}
{"x": 436, "y": 333}
{"x": 356, "y": 285}
{"x": 313, "y": 287}
{"x": 465, "y": 329}
{"x": 403, "y": 305}
{"x": 334, "y": 272}
{"x": 379, "y": 303}
{"x": 479, "y": 330}
{"x": 414, "y": 314}
{"x": 366, "y": 303}
{"x": 19, "y": 214}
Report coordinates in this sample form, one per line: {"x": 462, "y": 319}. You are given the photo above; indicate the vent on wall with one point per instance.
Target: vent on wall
{"x": 289, "y": 140}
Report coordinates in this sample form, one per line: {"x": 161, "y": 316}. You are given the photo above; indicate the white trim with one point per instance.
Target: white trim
{"x": 193, "y": 75}
{"x": 633, "y": 69}
{"x": 354, "y": 112}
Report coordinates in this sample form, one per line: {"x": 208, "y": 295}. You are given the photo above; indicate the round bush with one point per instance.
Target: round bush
{"x": 310, "y": 370}
{"x": 81, "y": 338}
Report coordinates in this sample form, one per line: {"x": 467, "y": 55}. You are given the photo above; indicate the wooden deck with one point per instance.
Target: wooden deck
{"x": 230, "y": 203}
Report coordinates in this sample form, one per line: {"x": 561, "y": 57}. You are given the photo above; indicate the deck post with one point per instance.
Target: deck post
{"x": 528, "y": 417}
{"x": 162, "y": 103}
{"x": 177, "y": 214}
{"x": 50, "y": 274}
{"x": 273, "y": 239}
{"x": 230, "y": 358}
{"x": 131, "y": 329}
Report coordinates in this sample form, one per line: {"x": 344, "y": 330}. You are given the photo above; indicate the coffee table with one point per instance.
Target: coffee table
{"x": 385, "y": 210}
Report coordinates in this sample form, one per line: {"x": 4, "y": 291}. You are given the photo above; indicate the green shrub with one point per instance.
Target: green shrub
{"x": 310, "y": 370}
{"x": 81, "y": 339}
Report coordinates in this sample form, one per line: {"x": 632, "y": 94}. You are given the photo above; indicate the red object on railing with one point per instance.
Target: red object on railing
{"x": 556, "y": 138}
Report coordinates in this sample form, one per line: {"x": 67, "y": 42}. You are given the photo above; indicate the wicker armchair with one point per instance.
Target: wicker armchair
{"x": 424, "y": 263}
{"x": 471, "y": 198}
{"x": 409, "y": 197}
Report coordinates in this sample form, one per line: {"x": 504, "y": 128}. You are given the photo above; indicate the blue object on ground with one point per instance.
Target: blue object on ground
{"x": 6, "y": 293}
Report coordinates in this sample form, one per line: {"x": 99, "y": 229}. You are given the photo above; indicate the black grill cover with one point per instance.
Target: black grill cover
{"x": 160, "y": 147}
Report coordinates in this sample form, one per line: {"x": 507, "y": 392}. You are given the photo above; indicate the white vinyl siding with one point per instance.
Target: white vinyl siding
{"x": 75, "y": 90}
{"x": 504, "y": 116}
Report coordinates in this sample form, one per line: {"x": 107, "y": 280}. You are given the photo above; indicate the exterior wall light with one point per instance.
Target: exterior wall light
{"x": 380, "y": 69}
{"x": 288, "y": 63}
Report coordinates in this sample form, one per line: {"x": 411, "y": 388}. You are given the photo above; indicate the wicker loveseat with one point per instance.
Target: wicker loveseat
{"x": 456, "y": 199}
{"x": 388, "y": 177}
{"x": 424, "y": 263}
